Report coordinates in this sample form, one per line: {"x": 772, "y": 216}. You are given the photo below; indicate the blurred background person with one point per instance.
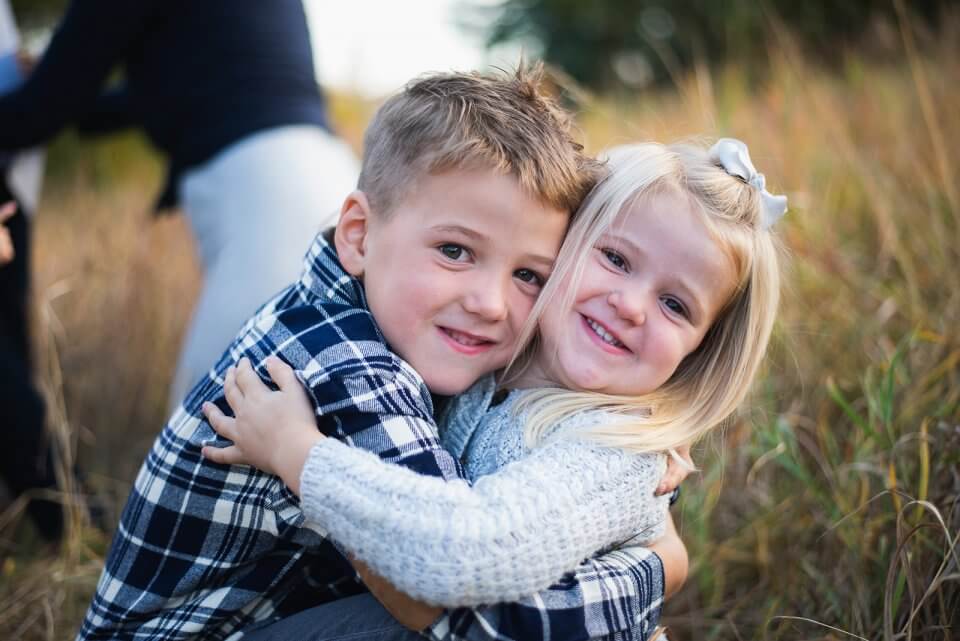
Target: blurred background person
{"x": 26, "y": 457}
{"x": 227, "y": 90}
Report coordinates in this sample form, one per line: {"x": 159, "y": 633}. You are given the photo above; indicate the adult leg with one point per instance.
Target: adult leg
{"x": 356, "y": 618}
{"x": 26, "y": 460}
{"x": 254, "y": 210}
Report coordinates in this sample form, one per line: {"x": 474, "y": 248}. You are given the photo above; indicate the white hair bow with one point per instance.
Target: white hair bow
{"x": 733, "y": 156}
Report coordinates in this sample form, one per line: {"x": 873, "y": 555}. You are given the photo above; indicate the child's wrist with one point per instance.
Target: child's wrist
{"x": 291, "y": 456}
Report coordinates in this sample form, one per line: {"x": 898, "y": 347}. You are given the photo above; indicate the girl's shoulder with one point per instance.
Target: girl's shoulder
{"x": 574, "y": 432}
{"x": 463, "y": 413}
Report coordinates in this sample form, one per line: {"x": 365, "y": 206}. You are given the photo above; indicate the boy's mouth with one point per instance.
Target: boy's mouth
{"x": 603, "y": 336}
{"x": 465, "y": 342}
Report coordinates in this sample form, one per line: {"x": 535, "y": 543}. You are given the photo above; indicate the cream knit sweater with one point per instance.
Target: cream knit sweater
{"x": 535, "y": 515}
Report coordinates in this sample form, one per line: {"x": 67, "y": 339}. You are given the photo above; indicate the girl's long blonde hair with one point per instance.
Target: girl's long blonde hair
{"x": 712, "y": 381}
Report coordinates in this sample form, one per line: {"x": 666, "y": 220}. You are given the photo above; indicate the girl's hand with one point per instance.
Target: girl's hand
{"x": 272, "y": 431}
{"x": 6, "y": 243}
{"x": 675, "y": 471}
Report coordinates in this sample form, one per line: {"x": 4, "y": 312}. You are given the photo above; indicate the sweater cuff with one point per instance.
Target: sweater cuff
{"x": 316, "y": 468}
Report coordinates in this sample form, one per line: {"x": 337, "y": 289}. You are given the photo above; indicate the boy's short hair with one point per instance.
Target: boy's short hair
{"x": 503, "y": 122}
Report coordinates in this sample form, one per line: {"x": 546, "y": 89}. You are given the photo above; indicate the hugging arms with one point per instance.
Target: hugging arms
{"x": 433, "y": 539}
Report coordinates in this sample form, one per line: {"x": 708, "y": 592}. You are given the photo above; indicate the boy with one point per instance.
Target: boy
{"x": 462, "y": 203}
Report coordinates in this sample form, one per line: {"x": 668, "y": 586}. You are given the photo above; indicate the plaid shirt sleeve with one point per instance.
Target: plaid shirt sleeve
{"x": 204, "y": 550}
{"x": 616, "y": 596}
{"x": 363, "y": 393}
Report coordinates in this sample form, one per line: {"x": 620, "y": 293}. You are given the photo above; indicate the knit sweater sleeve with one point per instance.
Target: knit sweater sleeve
{"x": 513, "y": 533}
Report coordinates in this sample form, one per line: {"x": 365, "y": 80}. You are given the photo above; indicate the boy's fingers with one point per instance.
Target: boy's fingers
{"x": 230, "y": 455}
{"x": 281, "y": 373}
{"x": 669, "y": 482}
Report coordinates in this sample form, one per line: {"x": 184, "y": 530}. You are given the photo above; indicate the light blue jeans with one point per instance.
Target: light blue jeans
{"x": 357, "y": 618}
{"x": 254, "y": 209}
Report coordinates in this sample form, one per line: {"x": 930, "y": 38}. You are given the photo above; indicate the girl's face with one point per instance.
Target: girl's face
{"x": 651, "y": 288}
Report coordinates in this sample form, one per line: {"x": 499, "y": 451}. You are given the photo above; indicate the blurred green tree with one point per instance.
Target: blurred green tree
{"x": 611, "y": 43}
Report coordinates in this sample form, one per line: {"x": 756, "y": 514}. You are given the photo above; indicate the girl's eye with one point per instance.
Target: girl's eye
{"x": 675, "y": 306}
{"x": 452, "y": 251}
{"x": 615, "y": 259}
{"x": 529, "y": 276}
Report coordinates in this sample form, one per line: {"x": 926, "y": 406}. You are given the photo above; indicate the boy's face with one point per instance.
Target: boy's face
{"x": 453, "y": 271}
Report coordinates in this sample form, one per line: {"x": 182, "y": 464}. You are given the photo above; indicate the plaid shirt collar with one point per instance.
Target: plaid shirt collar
{"x": 325, "y": 277}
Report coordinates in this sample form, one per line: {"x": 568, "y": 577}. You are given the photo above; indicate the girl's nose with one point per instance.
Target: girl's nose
{"x": 629, "y": 306}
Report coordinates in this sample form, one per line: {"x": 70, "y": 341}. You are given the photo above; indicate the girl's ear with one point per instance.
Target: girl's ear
{"x": 350, "y": 235}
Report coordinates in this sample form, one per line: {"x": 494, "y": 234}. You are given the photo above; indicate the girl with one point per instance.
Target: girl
{"x": 646, "y": 336}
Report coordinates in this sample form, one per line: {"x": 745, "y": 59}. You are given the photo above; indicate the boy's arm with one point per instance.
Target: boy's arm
{"x": 412, "y": 614}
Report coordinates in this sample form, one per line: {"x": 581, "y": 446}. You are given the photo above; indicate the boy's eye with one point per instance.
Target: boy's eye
{"x": 675, "y": 306}
{"x": 529, "y": 276}
{"x": 452, "y": 251}
{"x": 615, "y": 259}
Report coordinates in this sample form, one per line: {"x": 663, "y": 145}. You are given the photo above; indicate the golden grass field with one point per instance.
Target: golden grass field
{"x": 828, "y": 511}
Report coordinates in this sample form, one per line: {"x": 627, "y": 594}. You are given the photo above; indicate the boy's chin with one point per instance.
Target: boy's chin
{"x": 453, "y": 383}
{"x": 447, "y": 389}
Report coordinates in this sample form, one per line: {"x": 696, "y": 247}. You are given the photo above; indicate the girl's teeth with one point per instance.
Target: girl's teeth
{"x": 603, "y": 334}
{"x": 463, "y": 340}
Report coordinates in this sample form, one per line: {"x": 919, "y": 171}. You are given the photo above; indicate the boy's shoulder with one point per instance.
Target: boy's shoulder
{"x": 323, "y": 328}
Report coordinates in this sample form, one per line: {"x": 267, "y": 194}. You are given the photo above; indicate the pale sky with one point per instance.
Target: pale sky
{"x": 375, "y": 46}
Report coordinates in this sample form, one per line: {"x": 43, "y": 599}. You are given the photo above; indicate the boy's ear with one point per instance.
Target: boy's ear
{"x": 350, "y": 236}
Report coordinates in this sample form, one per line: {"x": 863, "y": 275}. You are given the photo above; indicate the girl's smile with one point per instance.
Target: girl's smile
{"x": 604, "y": 337}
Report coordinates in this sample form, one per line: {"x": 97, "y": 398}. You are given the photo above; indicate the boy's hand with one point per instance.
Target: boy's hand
{"x": 6, "y": 243}
{"x": 675, "y": 471}
{"x": 272, "y": 431}
{"x": 673, "y": 554}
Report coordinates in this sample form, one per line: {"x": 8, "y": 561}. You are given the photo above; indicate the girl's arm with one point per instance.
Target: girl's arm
{"x": 512, "y": 534}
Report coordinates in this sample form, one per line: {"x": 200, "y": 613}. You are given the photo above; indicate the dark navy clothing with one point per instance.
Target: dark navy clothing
{"x": 198, "y": 76}
{"x": 26, "y": 453}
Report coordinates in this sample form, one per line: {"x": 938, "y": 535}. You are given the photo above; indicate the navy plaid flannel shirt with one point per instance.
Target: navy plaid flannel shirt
{"x": 204, "y": 550}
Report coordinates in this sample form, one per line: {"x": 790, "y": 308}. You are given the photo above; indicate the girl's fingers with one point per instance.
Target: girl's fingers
{"x": 222, "y": 424}
{"x": 247, "y": 380}
{"x": 230, "y": 455}
{"x": 231, "y": 391}
{"x": 281, "y": 373}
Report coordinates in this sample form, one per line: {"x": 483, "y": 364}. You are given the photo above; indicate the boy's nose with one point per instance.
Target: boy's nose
{"x": 486, "y": 299}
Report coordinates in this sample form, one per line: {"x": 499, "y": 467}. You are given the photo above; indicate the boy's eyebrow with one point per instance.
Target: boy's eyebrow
{"x": 460, "y": 229}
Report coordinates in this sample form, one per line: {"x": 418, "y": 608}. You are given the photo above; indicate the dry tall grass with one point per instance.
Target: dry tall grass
{"x": 829, "y": 512}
